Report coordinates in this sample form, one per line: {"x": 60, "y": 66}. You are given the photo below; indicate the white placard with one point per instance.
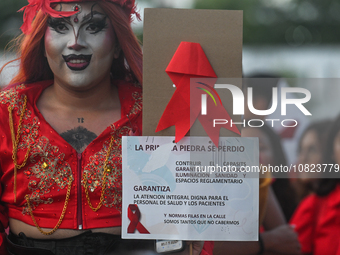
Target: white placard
{"x": 190, "y": 190}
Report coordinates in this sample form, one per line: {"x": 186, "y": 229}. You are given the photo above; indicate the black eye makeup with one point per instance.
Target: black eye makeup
{"x": 96, "y": 25}
{"x": 93, "y": 26}
{"x": 58, "y": 25}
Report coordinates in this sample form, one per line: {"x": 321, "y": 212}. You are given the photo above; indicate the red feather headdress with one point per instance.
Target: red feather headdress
{"x": 34, "y": 6}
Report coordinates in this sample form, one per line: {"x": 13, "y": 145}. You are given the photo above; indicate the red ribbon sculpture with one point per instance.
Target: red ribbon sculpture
{"x": 134, "y": 217}
{"x": 189, "y": 61}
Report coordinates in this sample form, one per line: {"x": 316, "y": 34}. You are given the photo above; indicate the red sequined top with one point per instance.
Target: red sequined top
{"x": 53, "y": 167}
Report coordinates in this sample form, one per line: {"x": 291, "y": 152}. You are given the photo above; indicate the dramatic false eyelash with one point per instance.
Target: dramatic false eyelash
{"x": 55, "y": 22}
{"x": 100, "y": 24}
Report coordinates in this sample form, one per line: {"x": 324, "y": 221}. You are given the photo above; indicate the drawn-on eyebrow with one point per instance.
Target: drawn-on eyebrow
{"x": 90, "y": 15}
{"x": 58, "y": 20}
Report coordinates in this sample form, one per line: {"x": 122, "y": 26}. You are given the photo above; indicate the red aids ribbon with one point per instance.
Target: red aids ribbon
{"x": 134, "y": 217}
{"x": 190, "y": 61}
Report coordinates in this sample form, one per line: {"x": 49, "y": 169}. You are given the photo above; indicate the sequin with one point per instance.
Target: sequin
{"x": 44, "y": 154}
{"x": 94, "y": 170}
{"x": 11, "y": 97}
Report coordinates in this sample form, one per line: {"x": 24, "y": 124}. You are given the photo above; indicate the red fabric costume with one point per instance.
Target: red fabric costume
{"x": 53, "y": 166}
{"x": 317, "y": 222}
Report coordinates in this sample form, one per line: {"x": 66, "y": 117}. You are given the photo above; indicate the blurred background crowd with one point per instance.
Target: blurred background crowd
{"x": 291, "y": 43}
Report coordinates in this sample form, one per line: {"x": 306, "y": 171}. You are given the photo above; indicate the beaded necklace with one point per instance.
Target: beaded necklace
{"x": 15, "y": 140}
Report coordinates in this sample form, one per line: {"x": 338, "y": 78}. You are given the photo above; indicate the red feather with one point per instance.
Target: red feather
{"x": 34, "y": 6}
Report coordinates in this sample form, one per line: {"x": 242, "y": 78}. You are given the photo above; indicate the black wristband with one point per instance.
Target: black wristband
{"x": 261, "y": 251}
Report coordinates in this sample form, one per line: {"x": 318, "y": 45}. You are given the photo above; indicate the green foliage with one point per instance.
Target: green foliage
{"x": 10, "y": 19}
{"x": 8, "y": 8}
{"x": 292, "y": 22}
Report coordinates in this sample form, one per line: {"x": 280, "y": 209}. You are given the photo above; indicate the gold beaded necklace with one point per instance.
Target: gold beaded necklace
{"x": 67, "y": 199}
{"x": 15, "y": 140}
{"x": 106, "y": 170}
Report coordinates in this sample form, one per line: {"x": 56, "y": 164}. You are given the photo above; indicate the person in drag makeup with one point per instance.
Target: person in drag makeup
{"x": 77, "y": 92}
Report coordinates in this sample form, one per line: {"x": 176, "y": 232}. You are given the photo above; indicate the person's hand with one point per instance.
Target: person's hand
{"x": 282, "y": 240}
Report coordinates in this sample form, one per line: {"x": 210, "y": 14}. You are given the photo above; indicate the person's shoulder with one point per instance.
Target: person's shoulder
{"x": 11, "y": 91}
{"x": 310, "y": 201}
{"x": 131, "y": 97}
{"x": 12, "y": 94}
{"x": 333, "y": 198}
{"x": 305, "y": 209}
{"x": 313, "y": 202}
{"x": 17, "y": 96}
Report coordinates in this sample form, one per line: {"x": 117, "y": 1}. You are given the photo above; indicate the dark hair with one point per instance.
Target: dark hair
{"x": 321, "y": 128}
{"x": 327, "y": 185}
{"x": 275, "y": 142}
{"x": 262, "y": 85}
{"x": 282, "y": 188}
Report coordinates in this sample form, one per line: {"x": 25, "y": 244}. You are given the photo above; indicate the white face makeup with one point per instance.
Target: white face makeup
{"x": 80, "y": 49}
